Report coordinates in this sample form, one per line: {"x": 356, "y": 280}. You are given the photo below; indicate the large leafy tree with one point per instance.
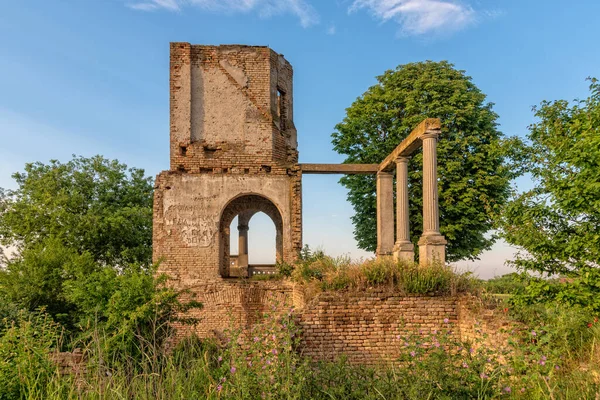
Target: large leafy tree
{"x": 473, "y": 173}
{"x": 78, "y": 229}
{"x": 91, "y": 205}
{"x": 556, "y": 224}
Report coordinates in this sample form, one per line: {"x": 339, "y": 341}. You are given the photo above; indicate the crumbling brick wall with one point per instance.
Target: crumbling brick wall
{"x": 233, "y": 149}
{"x": 365, "y": 326}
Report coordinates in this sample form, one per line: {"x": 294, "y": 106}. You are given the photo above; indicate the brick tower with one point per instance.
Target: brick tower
{"x": 233, "y": 152}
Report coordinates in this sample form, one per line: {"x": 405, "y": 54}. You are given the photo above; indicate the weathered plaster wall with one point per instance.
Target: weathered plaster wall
{"x": 187, "y": 215}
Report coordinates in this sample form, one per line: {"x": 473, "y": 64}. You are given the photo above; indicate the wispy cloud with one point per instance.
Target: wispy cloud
{"x": 265, "y": 8}
{"x": 418, "y": 17}
{"x": 331, "y": 30}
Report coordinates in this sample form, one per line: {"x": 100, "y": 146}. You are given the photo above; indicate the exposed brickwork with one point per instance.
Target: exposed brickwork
{"x": 235, "y": 304}
{"x": 364, "y": 326}
{"x": 485, "y": 323}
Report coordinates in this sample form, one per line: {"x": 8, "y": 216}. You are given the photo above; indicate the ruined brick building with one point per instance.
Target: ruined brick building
{"x": 233, "y": 153}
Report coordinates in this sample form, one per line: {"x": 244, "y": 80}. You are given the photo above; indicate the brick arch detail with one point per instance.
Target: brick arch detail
{"x": 248, "y": 203}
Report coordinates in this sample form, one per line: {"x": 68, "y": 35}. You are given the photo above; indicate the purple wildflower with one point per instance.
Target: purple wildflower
{"x": 219, "y": 388}
{"x": 446, "y": 320}
{"x": 533, "y": 333}
{"x": 232, "y": 370}
{"x": 412, "y": 354}
{"x": 507, "y": 389}
{"x": 274, "y": 351}
{"x": 465, "y": 365}
{"x": 220, "y": 359}
{"x": 483, "y": 375}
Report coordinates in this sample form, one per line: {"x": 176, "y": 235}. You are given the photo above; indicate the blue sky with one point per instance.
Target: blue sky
{"x": 91, "y": 77}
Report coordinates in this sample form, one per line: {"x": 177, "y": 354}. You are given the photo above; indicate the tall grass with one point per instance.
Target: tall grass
{"x": 329, "y": 273}
{"x": 265, "y": 363}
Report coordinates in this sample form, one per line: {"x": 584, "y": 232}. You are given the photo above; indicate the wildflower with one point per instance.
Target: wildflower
{"x": 471, "y": 350}
{"x": 505, "y": 310}
{"x": 398, "y": 337}
{"x": 483, "y": 375}
{"x": 436, "y": 344}
{"x": 590, "y": 325}
{"x": 220, "y": 359}
{"x": 412, "y": 354}
{"x": 232, "y": 370}
{"x": 223, "y": 379}
{"x": 544, "y": 358}
{"x": 249, "y": 363}
{"x": 533, "y": 333}
{"x": 446, "y": 320}
{"x": 256, "y": 339}
{"x": 556, "y": 367}
{"x": 268, "y": 362}
{"x": 522, "y": 390}
{"x": 219, "y": 388}
{"x": 507, "y": 389}
{"x": 273, "y": 337}
{"x": 274, "y": 351}
{"x": 542, "y": 362}
{"x": 435, "y": 331}
{"x": 465, "y": 365}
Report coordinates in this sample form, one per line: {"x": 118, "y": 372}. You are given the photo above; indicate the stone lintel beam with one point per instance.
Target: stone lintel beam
{"x": 411, "y": 143}
{"x": 347, "y": 169}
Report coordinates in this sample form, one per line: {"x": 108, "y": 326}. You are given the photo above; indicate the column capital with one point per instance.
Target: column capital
{"x": 385, "y": 175}
{"x": 243, "y": 228}
{"x": 402, "y": 159}
{"x": 430, "y": 135}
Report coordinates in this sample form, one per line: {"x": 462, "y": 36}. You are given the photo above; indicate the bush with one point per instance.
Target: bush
{"x": 25, "y": 347}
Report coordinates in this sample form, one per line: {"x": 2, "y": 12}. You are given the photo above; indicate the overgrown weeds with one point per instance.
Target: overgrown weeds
{"x": 327, "y": 273}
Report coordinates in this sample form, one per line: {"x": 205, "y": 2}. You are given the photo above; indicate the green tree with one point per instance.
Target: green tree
{"x": 91, "y": 205}
{"x": 473, "y": 173}
{"x": 83, "y": 234}
{"x": 557, "y": 223}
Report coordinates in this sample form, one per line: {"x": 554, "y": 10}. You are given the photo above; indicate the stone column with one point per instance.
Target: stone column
{"x": 243, "y": 246}
{"x": 403, "y": 249}
{"x": 385, "y": 214}
{"x": 432, "y": 245}
{"x": 243, "y": 221}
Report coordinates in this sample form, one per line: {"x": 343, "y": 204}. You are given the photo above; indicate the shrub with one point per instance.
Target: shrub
{"x": 25, "y": 364}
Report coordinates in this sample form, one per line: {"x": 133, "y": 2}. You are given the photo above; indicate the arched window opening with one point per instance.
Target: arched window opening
{"x": 253, "y": 243}
{"x": 244, "y": 251}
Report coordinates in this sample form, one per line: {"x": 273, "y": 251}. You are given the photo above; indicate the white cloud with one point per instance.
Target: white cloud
{"x": 418, "y": 17}
{"x": 265, "y": 8}
{"x": 331, "y": 30}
